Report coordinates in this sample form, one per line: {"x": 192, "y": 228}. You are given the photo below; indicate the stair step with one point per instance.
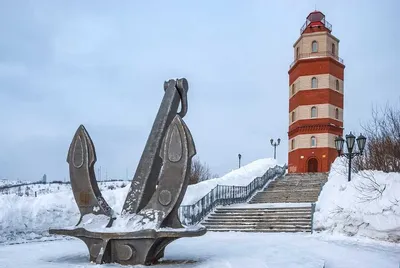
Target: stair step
{"x": 256, "y": 222}
{"x": 267, "y": 228}
{"x": 262, "y": 230}
{"x": 281, "y": 201}
{"x": 222, "y": 216}
{"x": 262, "y": 210}
{"x": 258, "y": 214}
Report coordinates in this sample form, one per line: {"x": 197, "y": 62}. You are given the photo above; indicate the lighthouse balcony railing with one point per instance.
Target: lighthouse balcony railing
{"x": 320, "y": 54}
{"x": 323, "y": 21}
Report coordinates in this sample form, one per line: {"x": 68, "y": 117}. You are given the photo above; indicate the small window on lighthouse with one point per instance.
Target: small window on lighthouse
{"x": 337, "y": 85}
{"x": 293, "y": 90}
{"x": 313, "y": 141}
{"x": 293, "y": 116}
{"x": 337, "y": 113}
{"x": 314, "y": 46}
{"x": 293, "y": 144}
{"x": 313, "y": 112}
{"x": 297, "y": 53}
{"x": 314, "y": 82}
{"x": 333, "y": 49}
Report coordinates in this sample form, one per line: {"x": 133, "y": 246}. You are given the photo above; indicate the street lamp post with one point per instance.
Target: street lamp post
{"x": 350, "y": 142}
{"x": 240, "y": 157}
{"x": 274, "y": 144}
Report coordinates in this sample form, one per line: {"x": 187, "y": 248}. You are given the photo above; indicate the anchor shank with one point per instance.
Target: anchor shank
{"x": 147, "y": 172}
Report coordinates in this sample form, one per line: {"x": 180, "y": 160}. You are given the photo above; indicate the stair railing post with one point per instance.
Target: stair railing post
{"x": 312, "y": 216}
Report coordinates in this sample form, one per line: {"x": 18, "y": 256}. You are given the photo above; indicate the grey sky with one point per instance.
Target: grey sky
{"x": 103, "y": 64}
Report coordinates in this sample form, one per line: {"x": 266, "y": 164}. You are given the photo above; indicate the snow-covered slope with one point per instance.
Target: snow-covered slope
{"x": 238, "y": 177}
{"x": 25, "y": 216}
{"x": 367, "y": 206}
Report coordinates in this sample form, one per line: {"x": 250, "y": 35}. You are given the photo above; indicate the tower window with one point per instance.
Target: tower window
{"x": 337, "y": 85}
{"x": 293, "y": 89}
{"x": 293, "y": 116}
{"x": 297, "y": 53}
{"x": 313, "y": 112}
{"x": 314, "y": 82}
{"x": 314, "y": 46}
{"x": 337, "y": 113}
{"x": 292, "y": 144}
{"x": 333, "y": 49}
{"x": 313, "y": 141}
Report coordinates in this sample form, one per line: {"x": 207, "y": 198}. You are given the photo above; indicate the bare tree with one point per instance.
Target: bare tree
{"x": 382, "y": 150}
{"x": 199, "y": 172}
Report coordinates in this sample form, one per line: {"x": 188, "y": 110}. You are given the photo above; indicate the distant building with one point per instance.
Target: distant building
{"x": 315, "y": 97}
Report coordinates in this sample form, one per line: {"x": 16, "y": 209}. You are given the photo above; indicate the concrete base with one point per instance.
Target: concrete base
{"x": 144, "y": 247}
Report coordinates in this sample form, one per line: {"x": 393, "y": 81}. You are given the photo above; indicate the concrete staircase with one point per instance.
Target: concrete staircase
{"x": 256, "y": 219}
{"x": 293, "y": 188}
{"x": 285, "y": 205}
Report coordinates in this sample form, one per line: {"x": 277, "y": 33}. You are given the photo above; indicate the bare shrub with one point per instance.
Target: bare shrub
{"x": 199, "y": 172}
{"x": 382, "y": 150}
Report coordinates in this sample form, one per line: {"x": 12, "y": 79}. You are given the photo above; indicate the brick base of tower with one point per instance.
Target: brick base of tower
{"x": 311, "y": 160}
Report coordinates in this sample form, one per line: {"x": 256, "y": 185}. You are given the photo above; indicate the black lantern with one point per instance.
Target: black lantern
{"x": 339, "y": 141}
{"x": 350, "y": 142}
{"x": 361, "y": 140}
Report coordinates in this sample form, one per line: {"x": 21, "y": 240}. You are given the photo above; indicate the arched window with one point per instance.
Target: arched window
{"x": 314, "y": 46}
{"x": 337, "y": 113}
{"x": 293, "y": 116}
{"x": 337, "y": 85}
{"x": 314, "y": 82}
{"x": 333, "y": 49}
{"x": 293, "y": 89}
{"x": 313, "y": 141}
{"x": 297, "y": 53}
{"x": 313, "y": 112}
{"x": 293, "y": 144}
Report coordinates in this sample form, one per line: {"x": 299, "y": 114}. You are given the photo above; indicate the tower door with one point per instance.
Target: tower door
{"x": 312, "y": 165}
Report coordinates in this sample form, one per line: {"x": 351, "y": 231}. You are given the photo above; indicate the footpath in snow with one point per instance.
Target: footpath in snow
{"x": 223, "y": 250}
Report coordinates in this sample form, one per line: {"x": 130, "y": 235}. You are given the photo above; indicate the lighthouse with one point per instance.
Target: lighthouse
{"x": 315, "y": 97}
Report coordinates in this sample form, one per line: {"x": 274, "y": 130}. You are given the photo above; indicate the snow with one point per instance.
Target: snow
{"x": 238, "y": 177}
{"x": 368, "y": 206}
{"x": 24, "y": 217}
{"x": 219, "y": 250}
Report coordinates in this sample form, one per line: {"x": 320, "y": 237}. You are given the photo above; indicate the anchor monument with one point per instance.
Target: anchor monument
{"x": 149, "y": 218}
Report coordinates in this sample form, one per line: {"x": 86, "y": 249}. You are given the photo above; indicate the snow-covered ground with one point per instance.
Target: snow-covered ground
{"x": 27, "y": 217}
{"x": 368, "y": 206}
{"x": 238, "y": 177}
{"x": 32, "y": 189}
{"x": 223, "y": 250}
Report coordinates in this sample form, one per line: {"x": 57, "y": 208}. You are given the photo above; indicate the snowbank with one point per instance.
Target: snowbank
{"x": 239, "y": 177}
{"x": 368, "y": 206}
{"x": 28, "y": 217}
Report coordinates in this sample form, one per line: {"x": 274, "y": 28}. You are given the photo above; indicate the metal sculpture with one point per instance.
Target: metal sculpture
{"x": 149, "y": 218}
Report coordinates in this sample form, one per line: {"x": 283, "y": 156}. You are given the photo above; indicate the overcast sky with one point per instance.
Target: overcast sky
{"x": 103, "y": 64}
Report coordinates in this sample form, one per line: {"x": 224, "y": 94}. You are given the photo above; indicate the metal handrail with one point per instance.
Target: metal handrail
{"x": 320, "y": 54}
{"x": 226, "y": 195}
{"x": 324, "y": 22}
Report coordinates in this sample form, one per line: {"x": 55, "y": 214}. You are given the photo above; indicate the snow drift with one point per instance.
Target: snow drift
{"x": 238, "y": 177}
{"x": 27, "y": 217}
{"x": 368, "y": 206}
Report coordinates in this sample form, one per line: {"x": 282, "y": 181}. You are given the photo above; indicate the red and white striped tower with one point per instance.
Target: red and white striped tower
{"x": 315, "y": 97}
